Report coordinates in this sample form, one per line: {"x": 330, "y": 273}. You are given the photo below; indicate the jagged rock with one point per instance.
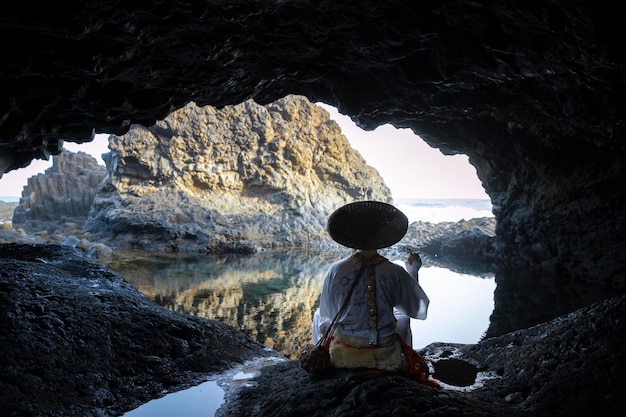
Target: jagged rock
{"x": 236, "y": 179}
{"x": 559, "y": 368}
{"x": 466, "y": 240}
{"x": 532, "y": 92}
{"x": 64, "y": 191}
{"x": 55, "y": 204}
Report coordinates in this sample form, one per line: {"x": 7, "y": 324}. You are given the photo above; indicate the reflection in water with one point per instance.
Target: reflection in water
{"x": 459, "y": 310}
{"x": 272, "y": 297}
{"x": 199, "y": 401}
{"x": 524, "y": 299}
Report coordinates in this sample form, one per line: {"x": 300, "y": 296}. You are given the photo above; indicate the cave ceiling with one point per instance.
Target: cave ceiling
{"x": 531, "y": 91}
{"x": 460, "y": 74}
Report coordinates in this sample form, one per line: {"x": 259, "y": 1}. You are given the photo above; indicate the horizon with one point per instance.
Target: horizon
{"x": 408, "y": 165}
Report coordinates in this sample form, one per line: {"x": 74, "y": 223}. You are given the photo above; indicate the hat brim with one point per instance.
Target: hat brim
{"x": 367, "y": 225}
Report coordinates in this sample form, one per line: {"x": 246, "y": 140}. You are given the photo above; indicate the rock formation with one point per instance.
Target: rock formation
{"x": 78, "y": 340}
{"x": 237, "y": 179}
{"x": 6, "y": 212}
{"x": 532, "y": 92}
{"x": 63, "y": 193}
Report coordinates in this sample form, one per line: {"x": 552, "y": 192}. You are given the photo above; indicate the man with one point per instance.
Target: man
{"x": 368, "y": 333}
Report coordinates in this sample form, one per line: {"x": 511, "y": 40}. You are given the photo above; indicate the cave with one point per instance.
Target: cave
{"x": 532, "y": 92}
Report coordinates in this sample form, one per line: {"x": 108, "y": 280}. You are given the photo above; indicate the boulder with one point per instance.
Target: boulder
{"x": 237, "y": 179}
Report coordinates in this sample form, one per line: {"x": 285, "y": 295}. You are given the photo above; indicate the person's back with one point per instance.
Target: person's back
{"x": 366, "y": 333}
{"x": 394, "y": 288}
{"x": 366, "y": 300}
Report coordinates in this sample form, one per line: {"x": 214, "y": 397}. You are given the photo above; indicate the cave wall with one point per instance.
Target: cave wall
{"x": 531, "y": 91}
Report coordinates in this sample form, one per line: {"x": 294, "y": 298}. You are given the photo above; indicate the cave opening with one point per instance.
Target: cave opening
{"x": 410, "y": 167}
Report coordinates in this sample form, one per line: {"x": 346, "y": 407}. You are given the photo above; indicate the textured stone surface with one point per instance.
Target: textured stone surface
{"x": 532, "y": 92}
{"x": 78, "y": 340}
{"x": 64, "y": 191}
{"x": 560, "y": 368}
{"x": 6, "y": 212}
{"x": 239, "y": 178}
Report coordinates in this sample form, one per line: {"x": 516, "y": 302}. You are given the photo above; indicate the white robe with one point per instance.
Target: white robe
{"x": 399, "y": 296}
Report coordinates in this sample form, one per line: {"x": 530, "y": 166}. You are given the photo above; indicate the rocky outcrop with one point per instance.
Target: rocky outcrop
{"x": 557, "y": 369}
{"x": 55, "y": 204}
{"x": 62, "y": 194}
{"x": 466, "y": 246}
{"x": 235, "y": 179}
{"x": 532, "y": 93}
{"x": 465, "y": 240}
{"x": 78, "y": 340}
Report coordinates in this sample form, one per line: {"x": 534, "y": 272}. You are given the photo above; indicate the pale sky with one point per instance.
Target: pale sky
{"x": 410, "y": 168}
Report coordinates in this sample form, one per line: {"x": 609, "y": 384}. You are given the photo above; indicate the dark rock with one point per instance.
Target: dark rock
{"x": 466, "y": 246}
{"x": 559, "y": 368}
{"x": 472, "y": 239}
{"x": 78, "y": 340}
{"x": 455, "y": 372}
{"x": 532, "y": 93}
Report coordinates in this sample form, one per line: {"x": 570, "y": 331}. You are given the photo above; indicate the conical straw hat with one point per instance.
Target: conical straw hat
{"x": 367, "y": 225}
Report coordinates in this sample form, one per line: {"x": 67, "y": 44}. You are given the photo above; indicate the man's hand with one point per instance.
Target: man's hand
{"x": 413, "y": 264}
{"x": 414, "y": 256}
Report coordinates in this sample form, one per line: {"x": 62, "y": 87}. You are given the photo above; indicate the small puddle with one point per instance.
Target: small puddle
{"x": 205, "y": 399}
{"x": 200, "y": 401}
{"x": 455, "y": 372}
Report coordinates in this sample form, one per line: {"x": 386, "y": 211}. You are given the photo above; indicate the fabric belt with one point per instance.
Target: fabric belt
{"x": 372, "y": 311}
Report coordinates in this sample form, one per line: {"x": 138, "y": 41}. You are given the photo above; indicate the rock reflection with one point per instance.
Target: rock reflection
{"x": 524, "y": 299}
{"x": 270, "y": 297}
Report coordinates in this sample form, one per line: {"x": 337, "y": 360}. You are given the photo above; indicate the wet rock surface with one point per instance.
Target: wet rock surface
{"x": 78, "y": 340}
{"x": 570, "y": 366}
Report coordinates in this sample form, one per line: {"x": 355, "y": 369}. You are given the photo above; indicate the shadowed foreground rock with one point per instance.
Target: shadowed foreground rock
{"x": 79, "y": 340}
{"x": 571, "y": 366}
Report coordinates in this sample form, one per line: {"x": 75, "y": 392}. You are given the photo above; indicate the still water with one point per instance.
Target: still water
{"x": 272, "y": 297}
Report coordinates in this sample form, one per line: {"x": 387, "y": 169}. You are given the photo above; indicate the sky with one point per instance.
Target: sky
{"x": 409, "y": 167}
